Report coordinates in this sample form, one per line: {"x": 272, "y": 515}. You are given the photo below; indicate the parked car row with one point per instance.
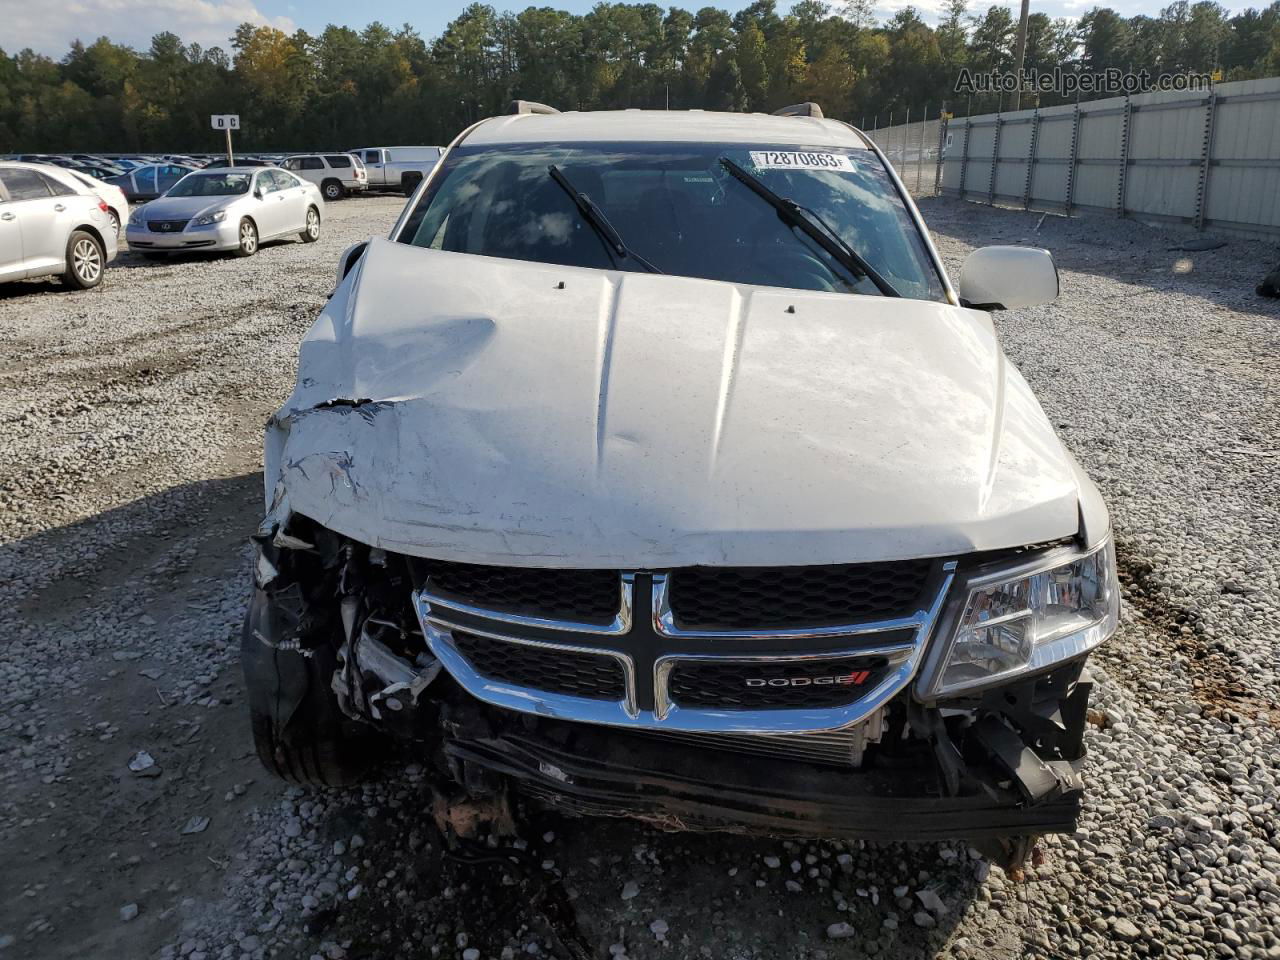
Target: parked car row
{"x": 56, "y": 221}
{"x": 337, "y": 173}
{"x": 62, "y": 214}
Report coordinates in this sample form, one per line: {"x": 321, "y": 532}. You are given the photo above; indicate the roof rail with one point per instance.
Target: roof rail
{"x": 529, "y": 106}
{"x": 806, "y": 109}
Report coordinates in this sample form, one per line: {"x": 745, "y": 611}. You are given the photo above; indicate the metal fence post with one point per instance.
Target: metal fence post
{"x": 1075, "y": 155}
{"x": 1123, "y": 178}
{"x": 942, "y": 146}
{"x": 995, "y": 161}
{"x": 964, "y": 156}
{"x": 1206, "y": 152}
{"x": 924, "y": 129}
{"x": 1031, "y": 160}
{"x": 906, "y": 125}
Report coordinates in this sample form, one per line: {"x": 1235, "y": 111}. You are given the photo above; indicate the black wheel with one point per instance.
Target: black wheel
{"x": 312, "y": 231}
{"x": 248, "y": 238}
{"x": 85, "y": 260}
{"x": 299, "y": 731}
{"x": 115, "y": 222}
{"x": 332, "y": 190}
{"x": 409, "y": 183}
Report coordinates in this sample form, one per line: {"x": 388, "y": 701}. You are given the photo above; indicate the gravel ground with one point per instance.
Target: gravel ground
{"x": 128, "y": 483}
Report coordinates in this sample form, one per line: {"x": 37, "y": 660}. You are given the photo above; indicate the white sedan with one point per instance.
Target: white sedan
{"x": 227, "y": 209}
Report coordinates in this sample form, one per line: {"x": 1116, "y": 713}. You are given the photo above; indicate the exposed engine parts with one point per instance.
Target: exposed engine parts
{"x": 336, "y": 623}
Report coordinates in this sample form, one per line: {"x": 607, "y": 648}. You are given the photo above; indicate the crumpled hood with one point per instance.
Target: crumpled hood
{"x": 495, "y": 411}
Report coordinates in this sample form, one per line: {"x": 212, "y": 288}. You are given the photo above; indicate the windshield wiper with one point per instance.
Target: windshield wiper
{"x": 820, "y": 232}
{"x": 592, "y": 213}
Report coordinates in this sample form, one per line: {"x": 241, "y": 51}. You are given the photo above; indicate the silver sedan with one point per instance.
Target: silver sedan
{"x": 227, "y": 209}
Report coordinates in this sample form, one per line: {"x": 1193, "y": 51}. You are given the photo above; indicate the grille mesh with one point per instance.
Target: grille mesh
{"x": 166, "y": 226}
{"x": 793, "y": 597}
{"x": 724, "y": 685}
{"x": 555, "y": 671}
{"x": 588, "y": 596}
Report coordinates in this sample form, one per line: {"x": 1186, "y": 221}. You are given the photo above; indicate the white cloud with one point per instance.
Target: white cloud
{"x": 50, "y": 30}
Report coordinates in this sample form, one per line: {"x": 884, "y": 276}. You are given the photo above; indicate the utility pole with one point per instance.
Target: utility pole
{"x": 1022, "y": 52}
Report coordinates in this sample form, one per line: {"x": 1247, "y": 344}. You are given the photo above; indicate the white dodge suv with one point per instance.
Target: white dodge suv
{"x": 654, "y": 467}
{"x": 49, "y": 227}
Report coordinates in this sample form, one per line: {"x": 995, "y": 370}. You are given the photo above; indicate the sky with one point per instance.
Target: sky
{"x": 50, "y": 30}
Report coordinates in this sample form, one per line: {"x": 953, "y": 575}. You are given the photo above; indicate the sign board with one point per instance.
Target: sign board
{"x": 225, "y": 121}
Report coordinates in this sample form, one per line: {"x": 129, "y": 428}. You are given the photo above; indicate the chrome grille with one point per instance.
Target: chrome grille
{"x": 675, "y": 678}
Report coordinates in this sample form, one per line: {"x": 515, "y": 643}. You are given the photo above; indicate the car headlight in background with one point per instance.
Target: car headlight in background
{"x": 1013, "y": 625}
{"x": 209, "y": 218}
{"x": 135, "y": 218}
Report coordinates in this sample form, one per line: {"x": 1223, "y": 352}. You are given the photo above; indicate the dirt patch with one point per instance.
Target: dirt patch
{"x": 1220, "y": 684}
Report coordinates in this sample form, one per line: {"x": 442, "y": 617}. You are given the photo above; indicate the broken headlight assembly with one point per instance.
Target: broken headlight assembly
{"x": 1027, "y": 619}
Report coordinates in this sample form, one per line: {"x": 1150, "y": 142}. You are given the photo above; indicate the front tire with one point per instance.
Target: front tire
{"x": 332, "y": 190}
{"x": 311, "y": 232}
{"x": 299, "y": 732}
{"x": 115, "y": 222}
{"x": 85, "y": 261}
{"x": 248, "y": 238}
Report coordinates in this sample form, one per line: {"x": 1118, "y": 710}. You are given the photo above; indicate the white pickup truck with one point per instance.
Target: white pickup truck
{"x": 398, "y": 168}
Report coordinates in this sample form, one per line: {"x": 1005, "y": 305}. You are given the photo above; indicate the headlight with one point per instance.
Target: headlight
{"x": 1011, "y": 625}
{"x": 135, "y": 218}
{"x": 216, "y": 217}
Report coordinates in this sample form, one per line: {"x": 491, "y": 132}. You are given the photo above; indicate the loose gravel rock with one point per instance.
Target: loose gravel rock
{"x": 128, "y": 482}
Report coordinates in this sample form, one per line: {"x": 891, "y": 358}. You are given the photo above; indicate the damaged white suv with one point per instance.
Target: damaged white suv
{"x": 653, "y": 467}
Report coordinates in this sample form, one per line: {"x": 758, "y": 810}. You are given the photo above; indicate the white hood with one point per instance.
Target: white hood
{"x": 495, "y": 411}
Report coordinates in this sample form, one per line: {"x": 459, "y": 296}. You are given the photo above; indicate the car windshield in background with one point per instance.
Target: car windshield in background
{"x": 675, "y": 205}
{"x": 212, "y": 185}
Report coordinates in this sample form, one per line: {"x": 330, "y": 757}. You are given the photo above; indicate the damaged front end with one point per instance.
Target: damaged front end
{"x": 794, "y": 701}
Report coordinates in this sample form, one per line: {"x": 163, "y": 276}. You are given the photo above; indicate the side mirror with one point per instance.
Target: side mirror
{"x": 348, "y": 259}
{"x": 257, "y": 192}
{"x": 1005, "y": 278}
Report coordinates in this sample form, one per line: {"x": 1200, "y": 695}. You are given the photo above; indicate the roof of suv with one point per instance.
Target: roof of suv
{"x": 657, "y": 126}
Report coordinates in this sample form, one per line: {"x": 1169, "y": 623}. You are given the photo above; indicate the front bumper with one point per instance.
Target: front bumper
{"x": 588, "y": 771}
{"x": 218, "y": 237}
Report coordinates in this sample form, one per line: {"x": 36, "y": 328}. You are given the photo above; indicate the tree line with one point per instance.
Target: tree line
{"x": 343, "y": 87}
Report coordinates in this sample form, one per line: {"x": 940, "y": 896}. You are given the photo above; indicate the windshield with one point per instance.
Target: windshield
{"x": 212, "y": 185}
{"x": 677, "y": 206}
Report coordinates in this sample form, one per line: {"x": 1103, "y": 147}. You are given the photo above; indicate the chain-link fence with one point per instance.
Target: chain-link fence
{"x": 912, "y": 147}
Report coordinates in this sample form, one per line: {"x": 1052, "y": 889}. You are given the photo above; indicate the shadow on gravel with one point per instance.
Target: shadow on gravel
{"x": 1120, "y": 249}
{"x": 133, "y": 259}
{"x": 25, "y": 288}
{"x": 42, "y": 572}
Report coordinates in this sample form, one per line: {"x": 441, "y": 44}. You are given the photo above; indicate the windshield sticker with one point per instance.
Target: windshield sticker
{"x": 778, "y": 160}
